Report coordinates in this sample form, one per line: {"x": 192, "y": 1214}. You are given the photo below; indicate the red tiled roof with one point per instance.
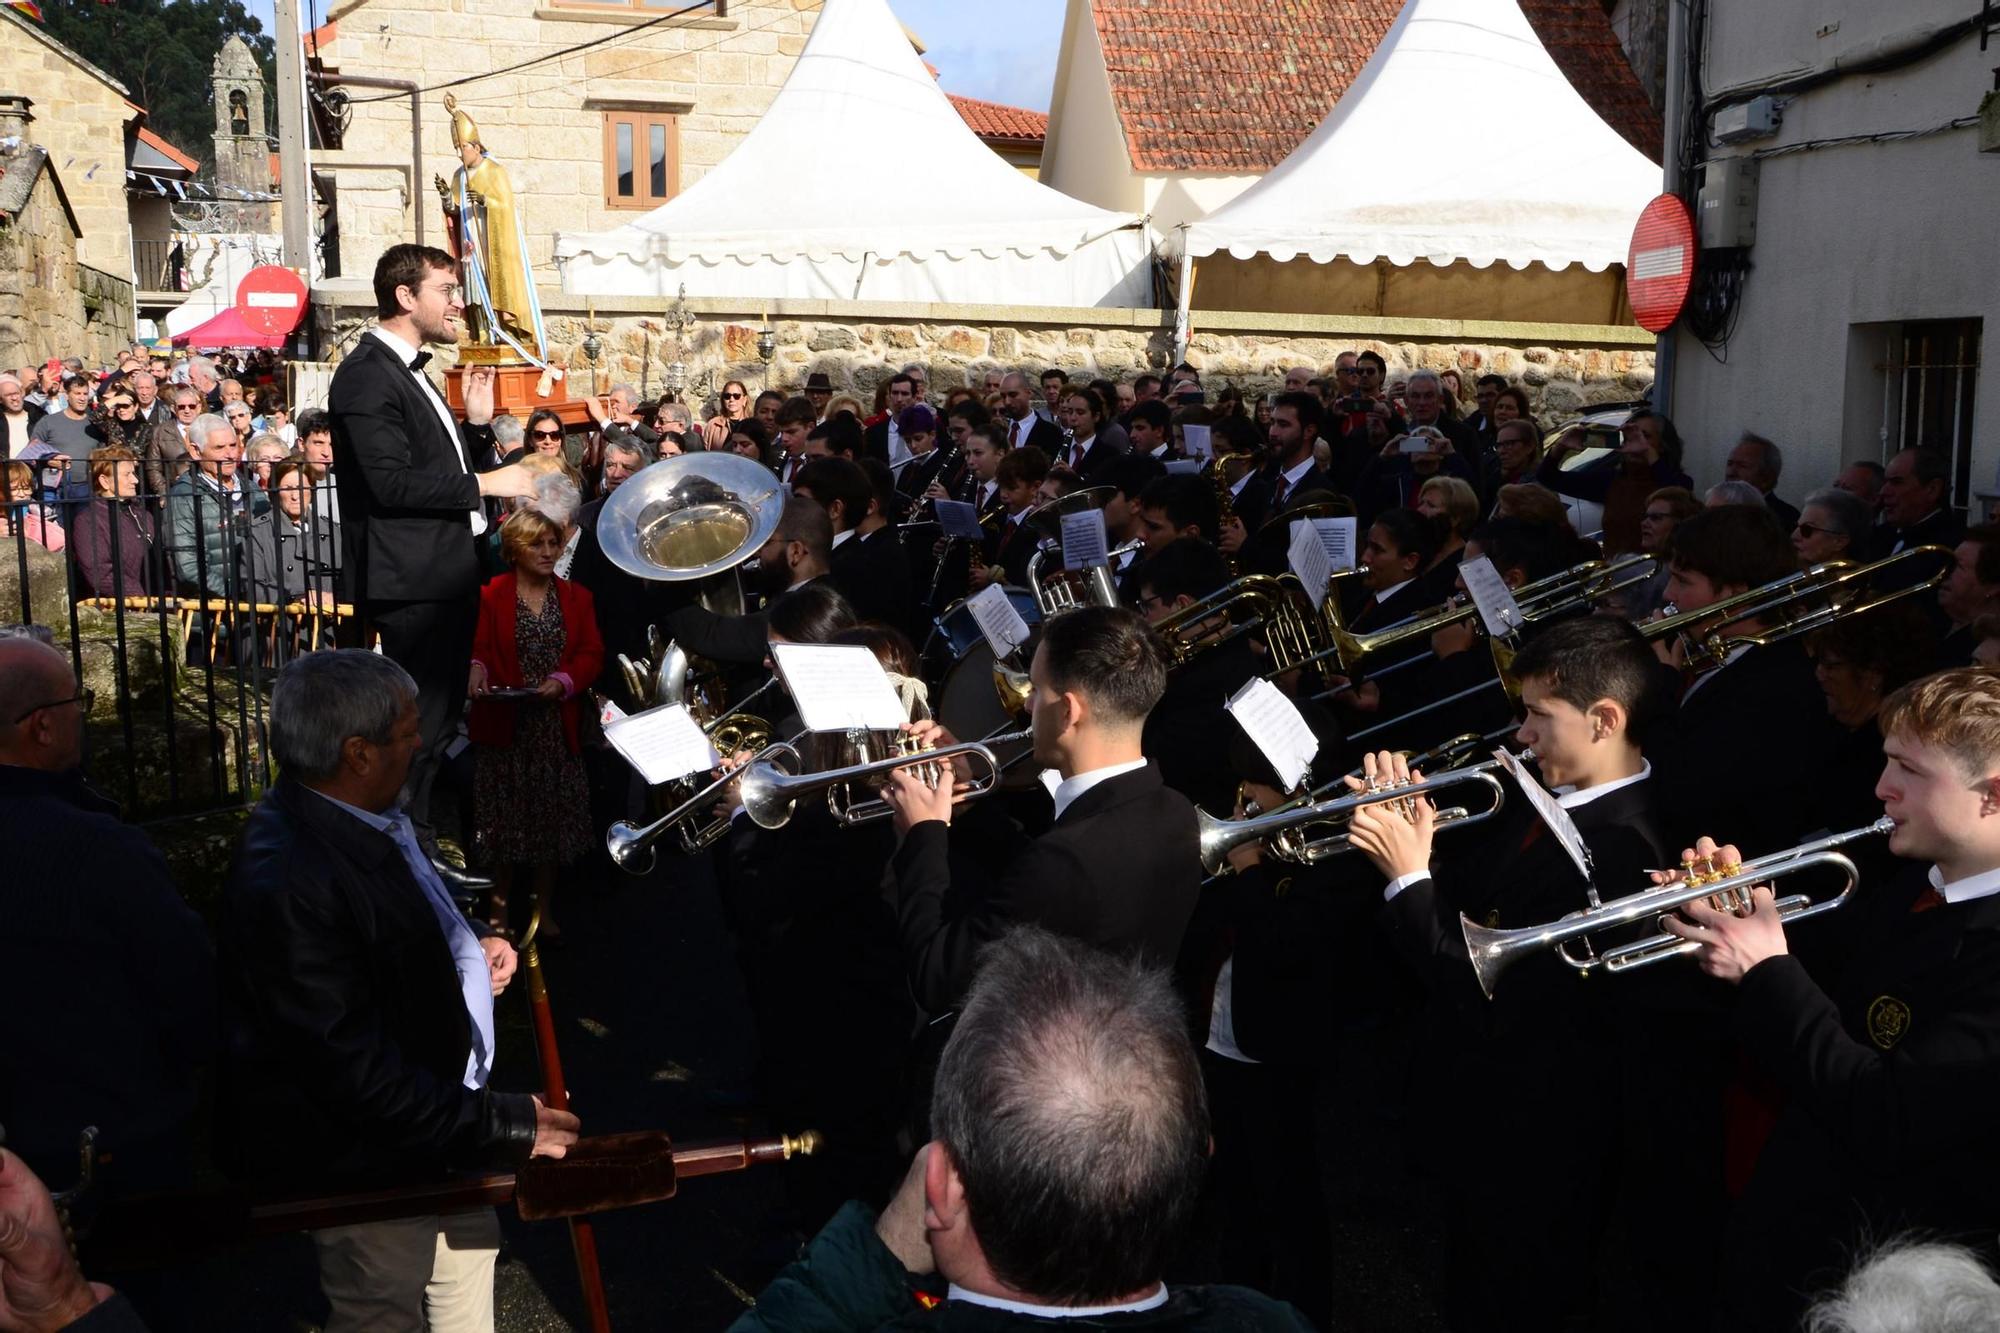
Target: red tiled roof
{"x": 1221, "y": 87}
{"x": 161, "y": 146}
{"x": 991, "y": 120}
{"x": 1580, "y": 40}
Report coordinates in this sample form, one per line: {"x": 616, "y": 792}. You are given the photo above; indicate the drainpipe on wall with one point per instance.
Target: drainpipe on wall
{"x": 1674, "y": 103}
{"x": 416, "y": 128}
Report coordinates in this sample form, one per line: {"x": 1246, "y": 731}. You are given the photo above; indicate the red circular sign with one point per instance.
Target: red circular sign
{"x": 1659, "y": 268}
{"x": 271, "y": 300}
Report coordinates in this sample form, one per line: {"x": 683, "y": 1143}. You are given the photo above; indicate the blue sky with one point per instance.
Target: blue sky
{"x": 1001, "y": 54}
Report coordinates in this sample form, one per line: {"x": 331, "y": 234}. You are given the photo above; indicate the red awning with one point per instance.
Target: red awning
{"x": 226, "y": 329}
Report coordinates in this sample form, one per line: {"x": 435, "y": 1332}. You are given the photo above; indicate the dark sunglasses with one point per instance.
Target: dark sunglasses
{"x": 735, "y": 395}
{"x": 547, "y": 434}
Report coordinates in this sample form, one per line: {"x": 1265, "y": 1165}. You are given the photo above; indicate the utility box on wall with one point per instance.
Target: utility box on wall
{"x": 1726, "y": 209}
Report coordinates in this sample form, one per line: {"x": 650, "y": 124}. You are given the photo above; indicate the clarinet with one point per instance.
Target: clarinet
{"x": 969, "y": 489}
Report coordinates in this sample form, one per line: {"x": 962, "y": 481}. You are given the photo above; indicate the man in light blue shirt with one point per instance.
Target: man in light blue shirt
{"x": 358, "y": 1006}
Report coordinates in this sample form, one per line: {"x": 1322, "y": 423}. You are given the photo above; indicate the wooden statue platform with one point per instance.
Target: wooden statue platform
{"x": 514, "y": 391}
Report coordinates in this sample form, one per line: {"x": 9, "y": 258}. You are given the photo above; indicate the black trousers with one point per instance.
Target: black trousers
{"x": 433, "y": 642}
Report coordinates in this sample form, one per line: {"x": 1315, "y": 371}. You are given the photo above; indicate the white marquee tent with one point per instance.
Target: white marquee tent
{"x": 1460, "y": 145}
{"x": 798, "y": 209}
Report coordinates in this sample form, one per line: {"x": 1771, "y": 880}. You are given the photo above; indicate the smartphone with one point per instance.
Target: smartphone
{"x": 1416, "y": 444}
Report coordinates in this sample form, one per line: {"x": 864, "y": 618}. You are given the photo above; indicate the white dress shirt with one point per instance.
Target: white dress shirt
{"x": 406, "y": 354}
{"x": 1569, "y": 798}
{"x": 954, "y": 1292}
{"x": 1070, "y": 788}
{"x": 1982, "y": 885}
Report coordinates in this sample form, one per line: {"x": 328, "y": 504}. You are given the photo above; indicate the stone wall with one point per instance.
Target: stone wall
{"x": 79, "y": 116}
{"x": 859, "y": 345}
{"x": 545, "y": 124}
{"x": 51, "y": 304}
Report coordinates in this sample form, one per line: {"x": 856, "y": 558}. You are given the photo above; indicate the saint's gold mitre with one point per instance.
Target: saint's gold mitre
{"x": 464, "y": 129}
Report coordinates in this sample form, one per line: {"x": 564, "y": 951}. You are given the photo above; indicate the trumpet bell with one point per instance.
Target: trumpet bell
{"x": 690, "y": 517}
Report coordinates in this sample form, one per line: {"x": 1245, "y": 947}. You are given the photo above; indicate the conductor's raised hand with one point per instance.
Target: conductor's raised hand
{"x": 478, "y": 384}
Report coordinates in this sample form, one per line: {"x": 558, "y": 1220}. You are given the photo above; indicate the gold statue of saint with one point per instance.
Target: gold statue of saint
{"x": 499, "y": 287}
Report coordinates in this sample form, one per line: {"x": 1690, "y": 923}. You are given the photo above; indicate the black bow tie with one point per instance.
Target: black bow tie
{"x": 417, "y": 366}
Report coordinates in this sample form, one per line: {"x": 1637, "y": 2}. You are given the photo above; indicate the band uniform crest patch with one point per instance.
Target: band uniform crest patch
{"x": 1888, "y": 1021}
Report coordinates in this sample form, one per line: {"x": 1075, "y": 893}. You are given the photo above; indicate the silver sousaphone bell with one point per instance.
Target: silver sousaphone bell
{"x": 691, "y": 517}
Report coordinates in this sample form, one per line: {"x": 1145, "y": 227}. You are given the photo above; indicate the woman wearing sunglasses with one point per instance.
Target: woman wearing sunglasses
{"x": 735, "y": 408}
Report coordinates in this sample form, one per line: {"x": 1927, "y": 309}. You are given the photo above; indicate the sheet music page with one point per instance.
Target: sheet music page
{"x": 998, "y": 620}
{"x": 1197, "y": 442}
{"x": 1279, "y": 730}
{"x": 1184, "y": 467}
{"x": 838, "y": 686}
{"x": 661, "y": 743}
{"x": 1490, "y": 593}
{"x": 1084, "y": 543}
{"x": 1337, "y": 535}
{"x": 959, "y": 519}
{"x": 1551, "y": 814}
{"x": 1308, "y": 559}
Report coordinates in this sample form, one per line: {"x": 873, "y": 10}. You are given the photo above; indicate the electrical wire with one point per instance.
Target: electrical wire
{"x": 618, "y": 35}
{"x": 1880, "y": 136}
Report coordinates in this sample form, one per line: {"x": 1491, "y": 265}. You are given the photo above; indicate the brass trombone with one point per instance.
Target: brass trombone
{"x": 1576, "y": 588}
{"x": 1799, "y": 603}
{"x": 631, "y": 846}
{"x": 1281, "y": 830}
{"x": 773, "y": 784}
{"x": 1493, "y": 950}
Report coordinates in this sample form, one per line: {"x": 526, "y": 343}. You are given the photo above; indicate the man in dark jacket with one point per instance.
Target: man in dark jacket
{"x": 1885, "y": 1058}
{"x": 1071, "y": 1137}
{"x": 412, "y": 494}
{"x": 358, "y": 1003}
{"x": 1119, "y": 870}
{"x": 95, "y": 928}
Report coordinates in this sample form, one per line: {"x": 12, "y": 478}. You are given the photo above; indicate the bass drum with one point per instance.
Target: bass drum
{"x": 959, "y": 629}
{"x": 969, "y": 707}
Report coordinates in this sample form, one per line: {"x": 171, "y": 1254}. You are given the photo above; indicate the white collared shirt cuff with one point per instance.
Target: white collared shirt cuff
{"x": 1401, "y": 882}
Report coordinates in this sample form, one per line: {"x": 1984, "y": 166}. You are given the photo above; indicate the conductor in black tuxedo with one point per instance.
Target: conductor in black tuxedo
{"x": 412, "y": 491}
{"x": 1120, "y": 869}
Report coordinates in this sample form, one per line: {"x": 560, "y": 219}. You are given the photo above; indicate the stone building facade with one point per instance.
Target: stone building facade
{"x": 701, "y": 78}
{"x": 81, "y": 117}
{"x": 51, "y": 304}
{"x": 1562, "y": 367}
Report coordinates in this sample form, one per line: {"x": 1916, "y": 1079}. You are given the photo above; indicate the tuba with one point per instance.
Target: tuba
{"x": 694, "y": 518}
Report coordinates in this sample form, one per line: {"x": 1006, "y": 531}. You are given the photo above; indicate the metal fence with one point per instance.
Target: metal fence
{"x": 176, "y": 609}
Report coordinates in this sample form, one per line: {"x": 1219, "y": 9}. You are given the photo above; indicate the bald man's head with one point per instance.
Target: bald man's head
{"x": 34, "y": 734}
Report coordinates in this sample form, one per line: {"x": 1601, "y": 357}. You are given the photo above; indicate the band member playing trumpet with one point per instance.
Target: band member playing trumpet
{"x": 1871, "y": 1056}
{"x": 1515, "y": 1227}
{"x": 1120, "y": 868}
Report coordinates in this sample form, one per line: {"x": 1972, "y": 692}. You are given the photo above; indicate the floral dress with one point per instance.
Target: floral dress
{"x": 531, "y": 800}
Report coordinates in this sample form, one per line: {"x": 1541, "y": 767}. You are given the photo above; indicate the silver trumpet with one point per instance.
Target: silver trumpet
{"x": 1281, "y": 830}
{"x": 630, "y": 846}
{"x": 772, "y": 785}
{"x": 1493, "y": 950}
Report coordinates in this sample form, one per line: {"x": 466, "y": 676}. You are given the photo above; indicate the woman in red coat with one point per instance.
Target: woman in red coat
{"x": 531, "y": 801}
